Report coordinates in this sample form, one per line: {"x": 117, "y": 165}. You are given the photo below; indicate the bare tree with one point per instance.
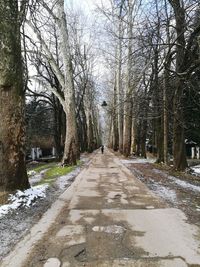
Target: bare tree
{"x": 65, "y": 78}
{"x": 12, "y": 129}
{"x": 185, "y": 64}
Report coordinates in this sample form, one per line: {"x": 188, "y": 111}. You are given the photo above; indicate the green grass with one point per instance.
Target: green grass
{"x": 53, "y": 171}
{"x": 58, "y": 171}
{"x": 42, "y": 167}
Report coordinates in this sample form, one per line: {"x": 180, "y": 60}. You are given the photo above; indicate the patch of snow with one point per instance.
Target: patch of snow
{"x": 110, "y": 229}
{"x": 36, "y": 177}
{"x": 31, "y": 173}
{"x": 24, "y": 198}
{"x": 63, "y": 181}
{"x": 165, "y": 192}
{"x": 196, "y": 169}
{"x": 34, "y": 162}
{"x": 137, "y": 160}
{"x": 184, "y": 184}
{"x": 179, "y": 182}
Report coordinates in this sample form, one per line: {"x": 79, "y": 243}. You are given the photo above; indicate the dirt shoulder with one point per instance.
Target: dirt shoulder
{"x": 179, "y": 190}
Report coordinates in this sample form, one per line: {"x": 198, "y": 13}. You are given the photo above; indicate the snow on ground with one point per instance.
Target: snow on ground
{"x": 137, "y": 160}
{"x": 35, "y": 177}
{"x": 15, "y": 225}
{"x": 65, "y": 180}
{"x": 28, "y": 197}
{"x": 179, "y": 182}
{"x": 24, "y": 198}
{"x": 184, "y": 184}
{"x": 196, "y": 169}
{"x": 31, "y": 173}
{"x": 164, "y": 192}
{"x": 109, "y": 229}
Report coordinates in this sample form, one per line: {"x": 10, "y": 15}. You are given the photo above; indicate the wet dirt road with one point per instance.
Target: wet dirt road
{"x": 109, "y": 218}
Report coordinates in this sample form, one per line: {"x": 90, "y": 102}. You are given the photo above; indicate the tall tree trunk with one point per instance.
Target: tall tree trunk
{"x": 58, "y": 113}
{"x": 115, "y": 124}
{"x": 127, "y": 128}
{"x": 144, "y": 133}
{"x": 110, "y": 131}
{"x": 90, "y": 132}
{"x": 83, "y": 130}
{"x": 129, "y": 88}
{"x": 89, "y": 118}
{"x": 134, "y": 136}
{"x": 157, "y": 109}
{"x": 71, "y": 149}
{"x": 166, "y": 86}
{"x": 159, "y": 141}
{"x": 12, "y": 129}
{"x": 165, "y": 116}
{"x": 179, "y": 153}
{"x": 119, "y": 87}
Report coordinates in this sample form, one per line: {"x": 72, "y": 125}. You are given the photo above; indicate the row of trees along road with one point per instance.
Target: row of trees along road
{"x": 152, "y": 52}
{"x": 50, "y": 52}
{"x": 154, "y": 61}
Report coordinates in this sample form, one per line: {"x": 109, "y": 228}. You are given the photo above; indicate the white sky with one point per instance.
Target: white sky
{"x": 86, "y": 5}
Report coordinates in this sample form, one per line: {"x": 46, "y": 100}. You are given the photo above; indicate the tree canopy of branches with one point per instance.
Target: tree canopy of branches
{"x": 64, "y": 67}
{"x": 155, "y": 60}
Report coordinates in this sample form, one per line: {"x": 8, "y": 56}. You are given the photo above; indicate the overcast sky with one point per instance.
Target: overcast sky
{"x": 88, "y": 4}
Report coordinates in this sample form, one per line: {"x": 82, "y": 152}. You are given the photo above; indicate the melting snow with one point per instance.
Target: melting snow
{"x": 24, "y": 198}
{"x": 110, "y": 229}
{"x": 165, "y": 192}
{"x": 35, "y": 177}
{"x": 179, "y": 182}
{"x": 196, "y": 169}
{"x": 137, "y": 160}
{"x": 185, "y": 184}
{"x": 65, "y": 180}
{"x": 31, "y": 173}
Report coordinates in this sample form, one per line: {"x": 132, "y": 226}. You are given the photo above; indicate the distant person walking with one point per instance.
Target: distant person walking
{"x": 102, "y": 149}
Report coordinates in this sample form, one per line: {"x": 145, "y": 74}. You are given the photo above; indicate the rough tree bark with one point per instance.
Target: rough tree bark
{"x": 12, "y": 129}
{"x": 115, "y": 122}
{"x": 119, "y": 84}
{"x": 83, "y": 128}
{"x": 129, "y": 87}
{"x": 166, "y": 86}
{"x": 165, "y": 116}
{"x": 58, "y": 114}
{"x": 71, "y": 150}
{"x": 179, "y": 153}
